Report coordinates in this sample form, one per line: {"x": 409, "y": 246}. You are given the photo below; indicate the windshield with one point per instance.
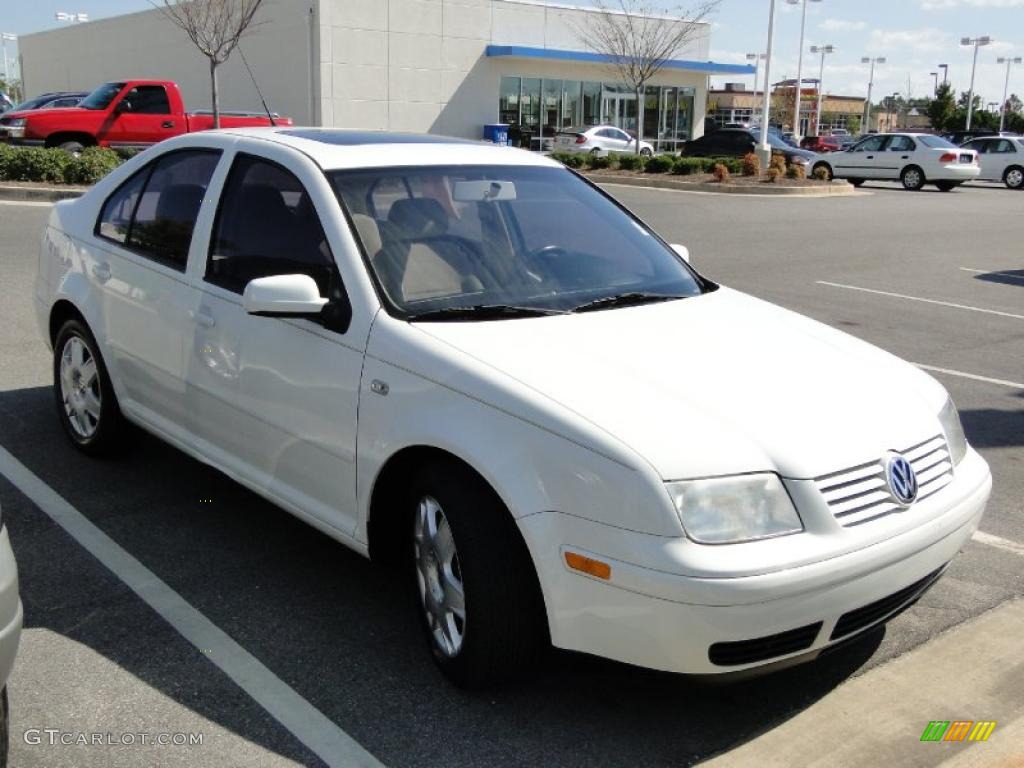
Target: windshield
{"x": 480, "y": 237}
{"x": 102, "y": 96}
{"x": 936, "y": 142}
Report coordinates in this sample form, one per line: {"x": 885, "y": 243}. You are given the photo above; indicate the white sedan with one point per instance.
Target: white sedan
{"x": 914, "y": 159}
{"x": 599, "y": 139}
{"x": 469, "y": 362}
{"x": 1002, "y": 159}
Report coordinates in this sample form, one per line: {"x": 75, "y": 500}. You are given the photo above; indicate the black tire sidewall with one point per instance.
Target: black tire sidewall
{"x": 903, "y": 176}
{"x": 1006, "y": 176}
{"x": 110, "y": 428}
{"x": 827, "y": 167}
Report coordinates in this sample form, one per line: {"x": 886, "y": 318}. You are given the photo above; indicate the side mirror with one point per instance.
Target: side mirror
{"x": 283, "y": 296}
{"x": 682, "y": 251}
{"x": 123, "y": 106}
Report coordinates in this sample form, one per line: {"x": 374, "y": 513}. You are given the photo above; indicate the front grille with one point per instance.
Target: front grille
{"x": 887, "y": 607}
{"x": 861, "y": 494}
{"x": 763, "y": 648}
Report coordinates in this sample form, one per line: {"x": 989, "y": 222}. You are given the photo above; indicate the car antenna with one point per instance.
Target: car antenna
{"x": 256, "y": 86}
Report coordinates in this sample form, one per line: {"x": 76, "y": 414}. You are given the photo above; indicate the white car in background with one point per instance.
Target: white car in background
{"x": 470, "y": 362}
{"x": 1002, "y": 159}
{"x": 914, "y": 159}
{"x": 599, "y": 139}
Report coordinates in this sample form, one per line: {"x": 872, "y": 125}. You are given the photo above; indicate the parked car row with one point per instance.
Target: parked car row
{"x": 53, "y": 100}
{"x": 737, "y": 142}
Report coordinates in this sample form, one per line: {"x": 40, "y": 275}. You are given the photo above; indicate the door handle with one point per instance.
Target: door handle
{"x": 167, "y": 124}
{"x": 905, "y": 157}
{"x": 101, "y": 271}
{"x": 871, "y": 157}
{"x": 203, "y": 318}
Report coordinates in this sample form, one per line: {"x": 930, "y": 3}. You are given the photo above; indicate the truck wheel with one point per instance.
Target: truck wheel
{"x": 73, "y": 148}
{"x": 476, "y": 590}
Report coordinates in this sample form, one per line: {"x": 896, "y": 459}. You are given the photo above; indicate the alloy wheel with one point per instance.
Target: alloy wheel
{"x": 80, "y": 387}
{"x": 439, "y": 577}
{"x": 1015, "y": 178}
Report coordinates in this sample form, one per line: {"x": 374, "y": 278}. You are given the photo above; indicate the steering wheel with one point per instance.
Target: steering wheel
{"x": 545, "y": 251}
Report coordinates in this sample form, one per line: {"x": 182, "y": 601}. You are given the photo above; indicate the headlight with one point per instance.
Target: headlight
{"x": 955, "y": 438}
{"x": 725, "y": 510}
{"x": 16, "y": 123}
{"x": 800, "y": 160}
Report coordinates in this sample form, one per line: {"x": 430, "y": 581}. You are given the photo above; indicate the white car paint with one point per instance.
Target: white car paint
{"x": 888, "y": 156}
{"x": 1002, "y": 159}
{"x": 577, "y": 421}
{"x": 11, "y": 614}
{"x": 601, "y": 139}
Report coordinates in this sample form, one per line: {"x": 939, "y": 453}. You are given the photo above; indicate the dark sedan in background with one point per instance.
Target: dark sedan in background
{"x": 54, "y": 100}
{"x": 737, "y": 142}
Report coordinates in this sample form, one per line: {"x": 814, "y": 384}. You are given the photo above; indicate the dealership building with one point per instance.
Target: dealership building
{"x": 439, "y": 66}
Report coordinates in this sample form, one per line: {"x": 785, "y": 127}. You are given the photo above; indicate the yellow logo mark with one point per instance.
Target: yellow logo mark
{"x": 982, "y": 730}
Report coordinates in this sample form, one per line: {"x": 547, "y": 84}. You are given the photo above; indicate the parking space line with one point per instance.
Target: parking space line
{"x": 36, "y": 203}
{"x": 972, "y": 376}
{"x": 304, "y": 721}
{"x": 999, "y": 542}
{"x": 1009, "y": 275}
{"x": 918, "y": 298}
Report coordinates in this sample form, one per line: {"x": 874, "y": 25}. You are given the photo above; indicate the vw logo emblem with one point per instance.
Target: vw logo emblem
{"x": 901, "y": 478}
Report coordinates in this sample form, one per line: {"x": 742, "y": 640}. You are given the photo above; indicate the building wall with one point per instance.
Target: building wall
{"x": 280, "y": 51}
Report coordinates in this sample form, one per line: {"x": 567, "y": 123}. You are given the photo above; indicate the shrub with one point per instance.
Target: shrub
{"x": 774, "y": 173}
{"x": 92, "y": 165}
{"x": 820, "y": 173}
{"x": 796, "y": 171}
{"x": 778, "y": 161}
{"x": 630, "y": 161}
{"x": 720, "y": 172}
{"x": 684, "y": 166}
{"x": 597, "y": 162}
{"x": 568, "y": 159}
{"x": 659, "y": 164}
{"x": 36, "y": 164}
{"x": 751, "y": 164}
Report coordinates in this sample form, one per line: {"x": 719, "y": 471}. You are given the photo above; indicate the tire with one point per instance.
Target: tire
{"x": 465, "y": 542}
{"x": 826, "y": 166}
{"x": 912, "y": 178}
{"x": 83, "y": 395}
{"x": 645, "y": 152}
{"x": 947, "y": 186}
{"x": 1013, "y": 177}
{"x": 72, "y": 147}
{"x": 856, "y": 182}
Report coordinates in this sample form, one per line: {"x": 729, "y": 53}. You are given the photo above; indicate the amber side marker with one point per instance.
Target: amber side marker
{"x": 588, "y": 565}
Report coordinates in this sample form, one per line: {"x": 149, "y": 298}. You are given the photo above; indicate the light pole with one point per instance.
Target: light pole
{"x": 935, "y": 85}
{"x": 4, "y": 37}
{"x": 1006, "y": 85}
{"x": 764, "y": 152}
{"x": 797, "y": 133}
{"x": 822, "y": 49}
{"x": 977, "y": 42}
{"x": 871, "y": 83}
{"x": 945, "y": 72}
{"x": 894, "y": 112}
{"x": 73, "y": 18}
{"x": 757, "y": 58}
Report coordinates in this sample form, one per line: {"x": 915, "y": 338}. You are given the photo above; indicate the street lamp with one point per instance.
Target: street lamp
{"x": 871, "y": 82}
{"x": 894, "y": 111}
{"x": 74, "y": 18}
{"x": 764, "y": 151}
{"x": 797, "y": 133}
{"x": 4, "y": 37}
{"x": 1006, "y": 84}
{"x": 935, "y": 85}
{"x": 977, "y": 42}
{"x": 822, "y": 49}
{"x": 945, "y": 72}
{"x": 757, "y": 58}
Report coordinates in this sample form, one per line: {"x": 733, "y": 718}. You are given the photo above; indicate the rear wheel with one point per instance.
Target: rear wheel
{"x": 912, "y": 178}
{"x": 477, "y": 592}
{"x": 947, "y": 186}
{"x": 646, "y": 152}
{"x": 856, "y": 182}
{"x": 86, "y": 404}
{"x": 1013, "y": 177}
{"x": 827, "y": 168}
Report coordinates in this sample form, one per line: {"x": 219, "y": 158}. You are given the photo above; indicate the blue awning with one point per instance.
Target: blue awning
{"x": 556, "y": 54}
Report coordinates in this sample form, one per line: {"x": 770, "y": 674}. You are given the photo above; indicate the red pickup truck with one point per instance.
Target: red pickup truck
{"x": 132, "y": 113}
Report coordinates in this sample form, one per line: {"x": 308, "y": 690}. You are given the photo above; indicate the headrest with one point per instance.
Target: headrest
{"x": 418, "y": 217}
{"x": 180, "y": 202}
{"x": 368, "y": 231}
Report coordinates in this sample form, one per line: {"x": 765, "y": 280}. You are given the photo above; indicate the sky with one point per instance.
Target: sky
{"x": 914, "y": 36}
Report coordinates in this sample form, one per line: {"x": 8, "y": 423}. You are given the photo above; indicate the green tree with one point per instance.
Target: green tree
{"x": 12, "y": 88}
{"x": 941, "y": 109}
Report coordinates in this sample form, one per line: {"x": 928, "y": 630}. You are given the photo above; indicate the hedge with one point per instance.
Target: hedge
{"x": 55, "y": 165}
{"x": 664, "y": 163}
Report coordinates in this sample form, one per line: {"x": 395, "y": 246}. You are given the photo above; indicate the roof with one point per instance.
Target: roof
{"x": 333, "y": 148}
{"x": 559, "y": 54}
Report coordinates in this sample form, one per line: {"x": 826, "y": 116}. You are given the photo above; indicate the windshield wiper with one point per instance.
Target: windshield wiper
{"x": 485, "y": 312}
{"x": 625, "y": 300}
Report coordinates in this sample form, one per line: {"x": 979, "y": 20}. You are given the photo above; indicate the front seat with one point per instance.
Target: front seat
{"x": 428, "y": 263}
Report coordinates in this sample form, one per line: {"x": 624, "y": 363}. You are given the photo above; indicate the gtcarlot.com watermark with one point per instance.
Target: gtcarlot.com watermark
{"x": 56, "y": 737}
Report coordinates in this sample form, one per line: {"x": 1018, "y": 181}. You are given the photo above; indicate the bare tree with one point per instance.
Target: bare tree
{"x": 640, "y": 37}
{"x": 215, "y": 27}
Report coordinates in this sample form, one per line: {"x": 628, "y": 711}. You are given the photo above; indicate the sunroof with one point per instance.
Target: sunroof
{"x": 356, "y": 138}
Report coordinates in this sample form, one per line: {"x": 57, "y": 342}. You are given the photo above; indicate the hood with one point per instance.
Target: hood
{"x": 712, "y": 385}
{"x": 57, "y": 113}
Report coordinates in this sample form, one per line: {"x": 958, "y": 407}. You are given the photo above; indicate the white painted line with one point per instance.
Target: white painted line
{"x": 998, "y": 542}
{"x": 36, "y": 203}
{"x": 308, "y": 724}
{"x": 918, "y": 298}
{"x": 1009, "y": 275}
{"x": 973, "y": 376}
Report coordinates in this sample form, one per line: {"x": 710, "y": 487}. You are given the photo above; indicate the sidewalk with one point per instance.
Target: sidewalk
{"x": 974, "y": 672}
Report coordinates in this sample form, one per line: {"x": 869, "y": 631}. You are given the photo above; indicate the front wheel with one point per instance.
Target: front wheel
{"x": 823, "y": 167}
{"x": 86, "y": 404}
{"x": 1013, "y": 178}
{"x": 72, "y": 147}
{"x": 476, "y": 588}
{"x": 646, "y": 152}
{"x": 912, "y": 178}
{"x": 947, "y": 186}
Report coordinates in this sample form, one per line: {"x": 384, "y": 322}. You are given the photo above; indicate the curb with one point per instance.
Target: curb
{"x": 40, "y": 194}
{"x": 834, "y": 189}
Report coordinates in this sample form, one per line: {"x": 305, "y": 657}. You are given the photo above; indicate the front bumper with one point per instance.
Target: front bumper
{"x": 656, "y": 618}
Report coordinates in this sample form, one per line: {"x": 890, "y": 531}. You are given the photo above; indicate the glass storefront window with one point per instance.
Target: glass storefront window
{"x": 508, "y": 101}
{"x": 591, "y": 103}
{"x": 571, "y": 115}
{"x": 684, "y": 114}
{"x": 529, "y": 111}
{"x": 551, "y": 97}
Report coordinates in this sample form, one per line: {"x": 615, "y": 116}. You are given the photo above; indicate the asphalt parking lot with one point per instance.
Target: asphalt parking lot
{"x": 935, "y": 278}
